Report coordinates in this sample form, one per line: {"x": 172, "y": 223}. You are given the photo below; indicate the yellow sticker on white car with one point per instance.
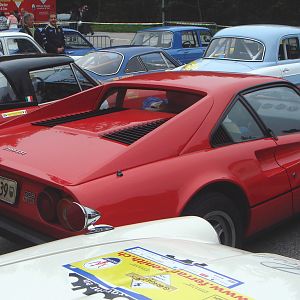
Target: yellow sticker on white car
{"x": 138, "y": 273}
{"x": 190, "y": 66}
{"x": 14, "y": 113}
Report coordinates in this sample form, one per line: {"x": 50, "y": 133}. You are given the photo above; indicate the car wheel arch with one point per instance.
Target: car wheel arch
{"x": 231, "y": 190}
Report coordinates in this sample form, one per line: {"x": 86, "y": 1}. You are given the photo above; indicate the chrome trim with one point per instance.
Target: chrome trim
{"x": 91, "y": 215}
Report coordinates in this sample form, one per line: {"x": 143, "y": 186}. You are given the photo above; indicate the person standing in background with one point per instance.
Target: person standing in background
{"x": 85, "y": 27}
{"x": 74, "y": 18}
{"x": 21, "y": 14}
{"x": 17, "y": 15}
{"x": 3, "y": 21}
{"x": 28, "y": 21}
{"x": 54, "y": 36}
{"x": 12, "y": 21}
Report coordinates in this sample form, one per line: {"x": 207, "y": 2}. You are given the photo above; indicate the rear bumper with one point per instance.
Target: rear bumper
{"x": 16, "y": 231}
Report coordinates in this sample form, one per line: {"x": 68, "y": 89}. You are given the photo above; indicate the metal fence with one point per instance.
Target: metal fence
{"x": 100, "y": 41}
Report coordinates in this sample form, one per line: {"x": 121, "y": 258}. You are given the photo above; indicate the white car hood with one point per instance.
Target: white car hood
{"x": 146, "y": 268}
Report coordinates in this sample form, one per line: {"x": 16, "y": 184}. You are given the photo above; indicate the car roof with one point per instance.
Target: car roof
{"x": 212, "y": 83}
{"x": 13, "y": 32}
{"x": 13, "y": 64}
{"x": 259, "y": 32}
{"x": 173, "y": 28}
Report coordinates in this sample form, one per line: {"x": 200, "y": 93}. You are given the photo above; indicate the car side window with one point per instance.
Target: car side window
{"x": 278, "y": 107}
{"x": 7, "y": 94}
{"x": 54, "y": 83}
{"x": 154, "y": 61}
{"x": 240, "y": 126}
{"x": 134, "y": 65}
{"x": 189, "y": 39}
{"x": 1, "y": 49}
{"x": 20, "y": 46}
{"x": 205, "y": 38}
{"x": 289, "y": 49}
{"x": 83, "y": 81}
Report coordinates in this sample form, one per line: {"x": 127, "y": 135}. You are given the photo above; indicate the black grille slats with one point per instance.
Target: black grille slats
{"x": 76, "y": 117}
{"x": 130, "y": 135}
{"x": 221, "y": 137}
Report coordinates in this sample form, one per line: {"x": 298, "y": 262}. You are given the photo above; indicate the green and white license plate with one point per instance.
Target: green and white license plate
{"x": 8, "y": 190}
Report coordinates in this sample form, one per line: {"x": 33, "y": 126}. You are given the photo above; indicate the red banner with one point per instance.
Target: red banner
{"x": 40, "y": 8}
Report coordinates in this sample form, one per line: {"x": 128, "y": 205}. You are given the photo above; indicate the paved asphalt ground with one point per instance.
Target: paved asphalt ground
{"x": 283, "y": 240}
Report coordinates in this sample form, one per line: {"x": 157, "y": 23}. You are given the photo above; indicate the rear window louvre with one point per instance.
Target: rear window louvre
{"x": 130, "y": 135}
{"x": 76, "y": 117}
{"x": 221, "y": 138}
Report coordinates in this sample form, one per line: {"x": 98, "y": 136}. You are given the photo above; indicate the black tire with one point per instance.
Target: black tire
{"x": 221, "y": 213}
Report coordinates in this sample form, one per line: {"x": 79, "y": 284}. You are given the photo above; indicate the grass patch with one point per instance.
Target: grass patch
{"x": 119, "y": 28}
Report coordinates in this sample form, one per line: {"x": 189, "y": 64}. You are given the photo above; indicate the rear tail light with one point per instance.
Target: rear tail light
{"x": 47, "y": 203}
{"x": 71, "y": 215}
{"x": 74, "y": 216}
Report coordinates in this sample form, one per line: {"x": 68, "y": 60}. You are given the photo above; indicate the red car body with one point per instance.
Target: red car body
{"x": 165, "y": 173}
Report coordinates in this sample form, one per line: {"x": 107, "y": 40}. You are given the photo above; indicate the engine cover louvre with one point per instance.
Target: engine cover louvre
{"x": 130, "y": 135}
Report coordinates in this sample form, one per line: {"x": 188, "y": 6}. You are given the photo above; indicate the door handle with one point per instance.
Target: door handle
{"x": 285, "y": 70}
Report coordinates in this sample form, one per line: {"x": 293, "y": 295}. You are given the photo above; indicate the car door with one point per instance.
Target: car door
{"x": 244, "y": 146}
{"x": 190, "y": 46}
{"x": 289, "y": 59}
{"x": 279, "y": 109}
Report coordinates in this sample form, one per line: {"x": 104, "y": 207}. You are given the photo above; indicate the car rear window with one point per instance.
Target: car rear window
{"x": 235, "y": 49}
{"x": 172, "y": 102}
{"x": 102, "y": 62}
{"x": 161, "y": 39}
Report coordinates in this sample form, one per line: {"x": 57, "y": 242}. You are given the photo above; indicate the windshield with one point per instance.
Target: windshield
{"x": 102, "y": 63}
{"x": 235, "y": 48}
{"x": 161, "y": 39}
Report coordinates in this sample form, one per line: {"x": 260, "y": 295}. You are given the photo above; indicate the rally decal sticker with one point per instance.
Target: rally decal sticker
{"x": 14, "y": 113}
{"x": 140, "y": 274}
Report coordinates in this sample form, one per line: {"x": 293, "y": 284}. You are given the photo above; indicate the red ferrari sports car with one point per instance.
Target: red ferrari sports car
{"x": 222, "y": 146}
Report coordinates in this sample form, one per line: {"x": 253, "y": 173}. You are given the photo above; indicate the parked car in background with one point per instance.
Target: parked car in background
{"x": 123, "y": 61}
{"x": 221, "y": 146}
{"x": 185, "y": 43}
{"x": 76, "y": 44}
{"x": 16, "y": 43}
{"x": 258, "y": 49}
{"x": 177, "y": 258}
{"x": 28, "y": 82}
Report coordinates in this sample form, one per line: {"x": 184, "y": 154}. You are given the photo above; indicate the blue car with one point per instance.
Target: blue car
{"x": 185, "y": 43}
{"x": 122, "y": 61}
{"x": 76, "y": 44}
{"x": 272, "y": 50}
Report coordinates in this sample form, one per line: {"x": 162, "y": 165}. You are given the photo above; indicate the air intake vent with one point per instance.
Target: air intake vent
{"x": 221, "y": 138}
{"x": 76, "y": 117}
{"x": 130, "y": 135}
